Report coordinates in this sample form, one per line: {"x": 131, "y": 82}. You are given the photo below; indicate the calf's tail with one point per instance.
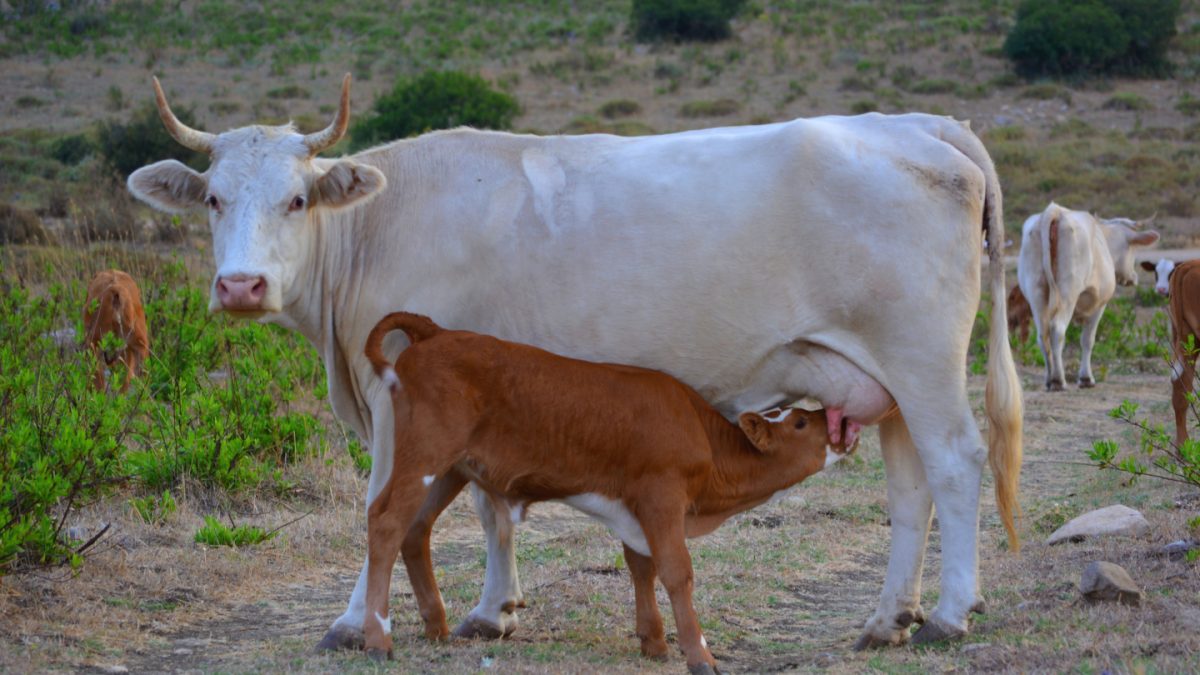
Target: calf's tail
{"x": 416, "y": 326}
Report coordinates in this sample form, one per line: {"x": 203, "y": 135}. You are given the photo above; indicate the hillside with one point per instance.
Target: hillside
{"x": 1114, "y": 146}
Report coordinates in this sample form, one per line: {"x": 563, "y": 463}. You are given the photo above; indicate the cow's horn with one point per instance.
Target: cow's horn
{"x": 1144, "y": 223}
{"x": 201, "y": 141}
{"x": 319, "y": 140}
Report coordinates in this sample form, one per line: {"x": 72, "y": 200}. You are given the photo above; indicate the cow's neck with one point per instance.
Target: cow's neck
{"x": 742, "y": 475}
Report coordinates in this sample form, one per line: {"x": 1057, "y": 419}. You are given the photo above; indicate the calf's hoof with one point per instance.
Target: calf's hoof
{"x": 474, "y": 627}
{"x": 437, "y": 633}
{"x": 704, "y": 669}
{"x": 933, "y": 631}
{"x": 379, "y": 655}
{"x": 655, "y": 649}
{"x": 341, "y": 637}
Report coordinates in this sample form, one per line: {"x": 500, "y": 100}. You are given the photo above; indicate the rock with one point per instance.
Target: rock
{"x": 1115, "y": 519}
{"x": 1002, "y": 120}
{"x": 1179, "y": 549}
{"x": 1108, "y": 582}
{"x": 115, "y": 668}
{"x": 974, "y": 647}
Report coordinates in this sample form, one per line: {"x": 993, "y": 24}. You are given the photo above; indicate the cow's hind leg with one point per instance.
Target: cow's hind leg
{"x": 1087, "y": 340}
{"x": 649, "y": 620}
{"x": 1183, "y": 376}
{"x": 909, "y": 507}
{"x": 1056, "y": 329}
{"x": 953, "y": 454}
{"x": 496, "y": 614}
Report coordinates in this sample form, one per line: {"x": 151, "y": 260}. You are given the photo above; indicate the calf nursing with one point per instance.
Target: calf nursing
{"x": 632, "y": 447}
{"x": 114, "y": 305}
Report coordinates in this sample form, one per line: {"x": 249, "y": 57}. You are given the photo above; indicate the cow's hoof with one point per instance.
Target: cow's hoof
{"x": 379, "y": 655}
{"x": 341, "y": 637}
{"x": 703, "y": 669}
{"x": 909, "y": 617}
{"x": 474, "y": 627}
{"x": 979, "y": 607}
{"x": 1055, "y": 385}
{"x": 1086, "y": 384}
{"x": 870, "y": 640}
{"x": 933, "y": 631}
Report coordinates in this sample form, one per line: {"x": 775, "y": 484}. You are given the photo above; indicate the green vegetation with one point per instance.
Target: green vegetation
{"x": 214, "y": 409}
{"x": 1157, "y": 454}
{"x": 718, "y": 108}
{"x": 216, "y": 533}
{"x": 683, "y": 19}
{"x": 127, "y": 147}
{"x": 435, "y": 100}
{"x": 1089, "y": 37}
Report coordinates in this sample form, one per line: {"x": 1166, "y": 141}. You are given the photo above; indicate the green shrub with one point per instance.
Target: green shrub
{"x": 72, "y": 149}
{"x": 703, "y": 20}
{"x": 1188, "y": 105}
{"x": 435, "y": 100}
{"x": 863, "y": 106}
{"x": 154, "y": 509}
{"x": 620, "y": 108}
{"x": 143, "y": 140}
{"x": 1127, "y": 101}
{"x": 934, "y": 87}
{"x": 1067, "y": 37}
{"x": 718, "y": 108}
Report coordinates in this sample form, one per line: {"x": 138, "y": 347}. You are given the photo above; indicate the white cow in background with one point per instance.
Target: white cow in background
{"x": 1162, "y": 274}
{"x": 1069, "y": 268}
{"x": 836, "y": 257}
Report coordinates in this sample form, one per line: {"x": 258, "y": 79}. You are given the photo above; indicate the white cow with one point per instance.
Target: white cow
{"x": 1162, "y": 274}
{"x": 1069, "y": 268}
{"x": 836, "y": 257}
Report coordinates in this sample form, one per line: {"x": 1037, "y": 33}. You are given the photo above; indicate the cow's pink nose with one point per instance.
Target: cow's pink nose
{"x": 241, "y": 292}
{"x": 1161, "y": 290}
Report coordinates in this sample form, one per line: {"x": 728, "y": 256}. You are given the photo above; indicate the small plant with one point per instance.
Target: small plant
{"x": 942, "y": 86}
{"x": 1127, "y": 101}
{"x": 216, "y": 533}
{"x": 154, "y": 510}
{"x": 290, "y": 91}
{"x": 435, "y": 100}
{"x": 19, "y": 226}
{"x": 1188, "y": 105}
{"x": 863, "y": 106}
{"x": 702, "y": 20}
{"x": 620, "y": 108}
{"x": 718, "y": 108}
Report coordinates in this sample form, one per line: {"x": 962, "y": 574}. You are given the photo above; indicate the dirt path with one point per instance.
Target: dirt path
{"x": 785, "y": 587}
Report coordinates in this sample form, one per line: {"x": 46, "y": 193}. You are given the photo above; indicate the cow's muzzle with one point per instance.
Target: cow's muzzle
{"x": 241, "y": 292}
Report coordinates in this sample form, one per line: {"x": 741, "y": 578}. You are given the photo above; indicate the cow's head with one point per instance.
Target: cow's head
{"x": 1122, "y": 235}
{"x": 261, "y": 192}
{"x": 1162, "y": 274}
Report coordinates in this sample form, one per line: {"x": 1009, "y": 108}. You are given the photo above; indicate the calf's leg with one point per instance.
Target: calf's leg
{"x": 649, "y": 621}
{"x": 417, "y": 561}
{"x": 663, "y": 524}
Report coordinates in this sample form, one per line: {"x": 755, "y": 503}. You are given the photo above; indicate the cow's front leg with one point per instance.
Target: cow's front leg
{"x": 496, "y": 614}
{"x": 1087, "y": 340}
{"x": 909, "y": 507}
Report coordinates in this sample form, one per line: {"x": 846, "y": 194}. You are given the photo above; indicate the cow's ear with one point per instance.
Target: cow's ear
{"x": 1144, "y": 238}
{"x": 347, "y": 183}
{"x": 169, "y": 186}
{"x": 757, "y": 429}
{"x": 1147, "y": 265}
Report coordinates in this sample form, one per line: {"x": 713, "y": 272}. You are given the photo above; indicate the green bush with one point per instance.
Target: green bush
{"x": 1069, "y": 37}
{"x": 216, "y": 533}
{"x": 703, "y": 20}
{"x": 19, "y": 226}
{"x": 143, "y": 139}
{"x": 435, "y": 100}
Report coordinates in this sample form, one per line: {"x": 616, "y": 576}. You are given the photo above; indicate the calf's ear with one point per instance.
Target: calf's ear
{"x": 1147, "y": 265}
{"x": 347, "y": 183}
{"x": 1144, "y": 238}
{"x": 168, "y": 186}
{"x": 758, "y": 430}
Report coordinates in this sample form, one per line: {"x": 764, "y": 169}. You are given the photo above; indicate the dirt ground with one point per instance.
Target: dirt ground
{"x": 785, "y": 587}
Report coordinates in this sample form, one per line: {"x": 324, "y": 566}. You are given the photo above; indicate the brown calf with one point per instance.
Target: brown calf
{"x": 1184, "y": 311}
{"x": 1019, "y": 313}
{"x": 114, "y": 305}
{"x": 634, "y": 448}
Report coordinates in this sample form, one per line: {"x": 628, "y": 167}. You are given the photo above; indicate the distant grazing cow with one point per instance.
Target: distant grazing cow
{"x": 634, "y": 448}
{"x": 1162, "y": 274}
{"x": 1184, "y": 312}
{"x": 1019, "y": 313}
{"x": 114, "y": 305}
{"x": 1069, "y": 268}
{"x": 834, "y": 257}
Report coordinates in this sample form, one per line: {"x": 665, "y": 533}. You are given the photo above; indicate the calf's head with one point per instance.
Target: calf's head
{"x": 795, "y": 431}
{"x": 1122, "y": 235}
{"x": 261, "y": 190}
{"x": 1162, "y": 274}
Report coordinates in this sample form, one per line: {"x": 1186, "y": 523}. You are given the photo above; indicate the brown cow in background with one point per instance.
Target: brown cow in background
{"x": 114, "y": 305}
{"x": 1184, "y": 312}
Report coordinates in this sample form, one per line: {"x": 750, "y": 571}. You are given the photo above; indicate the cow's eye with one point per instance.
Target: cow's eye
{"x": 297, "y": 203}
{"x": 213, "y": 203}
{"x": 801, "y": 422}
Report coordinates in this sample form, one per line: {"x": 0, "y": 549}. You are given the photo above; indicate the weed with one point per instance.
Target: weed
{"x": 620, "y": 108}
{"x": 216, "y": 533}
{"x": 718, "y": 108}
{"x": 1127, "y": 101}
{"x": 152, "y": 509}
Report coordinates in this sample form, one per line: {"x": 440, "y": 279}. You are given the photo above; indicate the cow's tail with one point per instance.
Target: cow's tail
{"x": 1002, "y": 398}
{"x": 1048, "y": 228}
{"x": 416, "y": 326}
